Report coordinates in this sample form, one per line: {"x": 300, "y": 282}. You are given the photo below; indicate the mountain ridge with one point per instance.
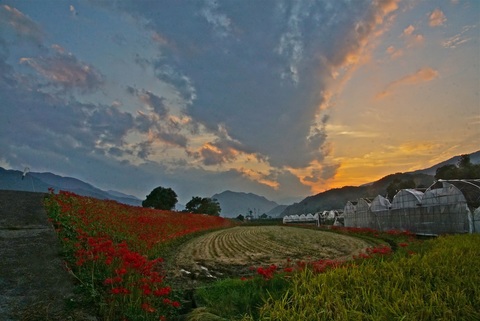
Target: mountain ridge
{"x": 40, "y": 182}
{"x": 232, "y": 203}
{"x": 336, "y": 198}
{"x": 236, "y": 203}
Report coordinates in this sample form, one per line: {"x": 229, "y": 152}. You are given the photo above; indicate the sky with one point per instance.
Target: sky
{"x": 281, "y": 98}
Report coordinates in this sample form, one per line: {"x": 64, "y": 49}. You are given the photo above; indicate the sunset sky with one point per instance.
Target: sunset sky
{"x": 284, "y": 99}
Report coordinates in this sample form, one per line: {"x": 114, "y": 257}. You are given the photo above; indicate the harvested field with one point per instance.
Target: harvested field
{"x": 234, "y": 250}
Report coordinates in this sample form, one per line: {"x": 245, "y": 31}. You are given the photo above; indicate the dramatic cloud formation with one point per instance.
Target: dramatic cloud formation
{"x": 270, "y": 97}
{"x": 64, "y": 70}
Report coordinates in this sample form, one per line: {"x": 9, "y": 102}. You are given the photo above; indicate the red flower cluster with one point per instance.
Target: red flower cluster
{"x": 113, "y": 242}
{"x": 380, "y": 250}
{"x": 267, "y": 273}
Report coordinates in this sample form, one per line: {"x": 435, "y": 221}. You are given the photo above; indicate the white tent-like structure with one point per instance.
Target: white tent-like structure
{"x": 380, "y": 203}
{"x": 407, "y": 198}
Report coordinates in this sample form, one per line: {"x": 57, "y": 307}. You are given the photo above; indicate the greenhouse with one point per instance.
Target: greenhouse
{"x": 363, "y": 214}
{"x": 448, "y": 206}
{"x": 407, "y": 198}
{"x": 349, "y": 213}
{"x": 302, "y": 218}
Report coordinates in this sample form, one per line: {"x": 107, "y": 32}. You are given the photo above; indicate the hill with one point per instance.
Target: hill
{"x": 236, "y": 203}
{"x": 41, "y": 182}
{"x": 338, "y": 197}
{"x": 276, "y": 211}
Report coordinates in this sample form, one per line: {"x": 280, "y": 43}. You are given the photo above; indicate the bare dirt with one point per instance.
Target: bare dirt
{"x": 235, "y": 250}
{"x": 33, "y": 283}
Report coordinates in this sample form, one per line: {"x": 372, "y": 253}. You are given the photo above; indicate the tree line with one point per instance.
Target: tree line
{"x": 162, "y": 198}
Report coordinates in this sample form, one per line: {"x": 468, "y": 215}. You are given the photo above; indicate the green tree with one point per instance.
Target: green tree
{"x": 463, "y": 170}
{"x": 240, "y": 217}
{"x": 203, "y": 205}
{"x": 161, "y": 198}
{"x": 446, "y": 172}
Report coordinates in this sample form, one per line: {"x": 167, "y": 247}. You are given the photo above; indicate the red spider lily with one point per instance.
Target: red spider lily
{"x": 148, "y": 308}
{"x": 117, "y": 242}
{"x": 267, "y": 273}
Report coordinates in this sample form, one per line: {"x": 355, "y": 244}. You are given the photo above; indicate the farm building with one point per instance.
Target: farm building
{"x": 446, "y": 207}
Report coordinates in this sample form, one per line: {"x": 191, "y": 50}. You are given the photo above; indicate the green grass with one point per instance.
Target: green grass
{"x": 235, "y": 298}
{"x": 438, "y": 282}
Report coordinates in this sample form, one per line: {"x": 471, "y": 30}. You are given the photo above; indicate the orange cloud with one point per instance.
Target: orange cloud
{"x": 22, "y": 24}
{"x": 394, "y": 52}
{"x": 421, "y": 75}
{"x": 437, "y": 18}
{"x": 411, "y": 37}
{"x": 409, "y": 30}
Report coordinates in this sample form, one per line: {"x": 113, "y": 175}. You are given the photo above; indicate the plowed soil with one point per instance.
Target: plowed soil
{"x": 236, "y": 249}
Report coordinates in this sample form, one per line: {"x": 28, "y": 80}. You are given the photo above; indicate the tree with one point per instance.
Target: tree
{"x": 161, "y": 198}
{"x": 463, "y": 170}
{"x": 240, "y": 217}
{"x": 204, "y": 205}
{"x": 446, "y": 172}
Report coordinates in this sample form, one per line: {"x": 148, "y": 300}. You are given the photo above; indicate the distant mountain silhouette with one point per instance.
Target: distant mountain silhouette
{"x": 41, "y": 182}
{"x": 231, "y": 203}
{"x": 236, "y": 203}
{"x": 276, "y": 211}
{"x": 337, "y": 198}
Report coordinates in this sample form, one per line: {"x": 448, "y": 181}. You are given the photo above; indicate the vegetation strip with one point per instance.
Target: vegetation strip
{"x": 116, "y": 252}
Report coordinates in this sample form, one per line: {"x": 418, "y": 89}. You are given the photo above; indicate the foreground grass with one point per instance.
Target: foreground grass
{"x": 431, "y": 280}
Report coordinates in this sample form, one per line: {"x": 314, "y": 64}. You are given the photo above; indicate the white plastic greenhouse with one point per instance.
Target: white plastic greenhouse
{"x": 380, "y": 203}
{"x": 407, "y": 198}
{"x": 446, "y": 207}
{"x": 302, "y": 218}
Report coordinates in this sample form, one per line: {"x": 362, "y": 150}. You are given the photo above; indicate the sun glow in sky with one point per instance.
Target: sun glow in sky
{"x": 285, "y": 99}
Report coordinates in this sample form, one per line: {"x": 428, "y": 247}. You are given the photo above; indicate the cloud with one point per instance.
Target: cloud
{"x": 64, "y": 70}
{"x": 73, "y": 11}
{"x": 52, "y": 126}
{"x": 219, "y": 21}
{"x": 436, "y": 18}
{"x": 458, "y": 39}
{"x": 247, "y": 90}
{"x": 157, "y": 122}
{"x": 248, "y": 86}
{"x": 411, "y": 37}
{"x": 154, "y": 102}
{"x": 394, "y": 52}
{"x": 422, "y": 75}
{"x": 23, "y": 26}
{"x": 351, "y": 47}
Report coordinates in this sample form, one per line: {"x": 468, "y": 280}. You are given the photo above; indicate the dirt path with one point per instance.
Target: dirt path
{"x": 33, "y": 283}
